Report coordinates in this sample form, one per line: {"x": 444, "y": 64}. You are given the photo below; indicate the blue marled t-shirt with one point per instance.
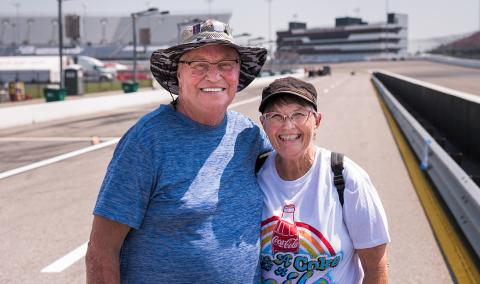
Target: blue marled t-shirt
{"x": 190, "y": 194}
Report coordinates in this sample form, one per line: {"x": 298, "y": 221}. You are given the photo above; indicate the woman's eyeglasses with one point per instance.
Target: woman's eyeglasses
{"x": 199, "y": 67}
{"x": 277, "y": 119}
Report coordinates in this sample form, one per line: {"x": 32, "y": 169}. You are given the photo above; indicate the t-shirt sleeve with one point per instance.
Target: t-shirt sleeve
{"x": 128, "y": 183}
{"x": 363, "y": 212}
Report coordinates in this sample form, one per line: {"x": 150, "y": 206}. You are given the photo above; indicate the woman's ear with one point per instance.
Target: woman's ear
{"x": 318, "y": 118}
{"x": 262, "y": 120}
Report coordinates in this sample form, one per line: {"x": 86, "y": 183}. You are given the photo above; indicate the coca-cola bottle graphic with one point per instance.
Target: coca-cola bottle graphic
{"x": 285, "y": 236}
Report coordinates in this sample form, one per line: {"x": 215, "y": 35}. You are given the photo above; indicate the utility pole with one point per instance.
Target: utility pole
{"x": 148, "y": 12}
{"x": 270, "y": 28}
{"x": 209, "y": 8}
{"x": 17, "y": 23}
{"x": 60, "y": 41}
{"x": 84, "y": 22}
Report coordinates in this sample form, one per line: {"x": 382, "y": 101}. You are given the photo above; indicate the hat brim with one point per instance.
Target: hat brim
{"x": 164, "y": 63}
{"x": 266, "y": 100}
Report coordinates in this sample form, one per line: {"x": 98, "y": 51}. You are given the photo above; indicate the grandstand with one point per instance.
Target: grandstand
{"x": 466, "y": 47}
{"x": 103, "y": 37}
{"x": 351, "y": 39}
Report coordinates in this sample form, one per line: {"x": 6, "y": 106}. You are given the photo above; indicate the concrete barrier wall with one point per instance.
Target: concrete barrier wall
{"x": 43, "y": 112}
{"x": 454, "y": 114}
{"x": 457, "y": 189}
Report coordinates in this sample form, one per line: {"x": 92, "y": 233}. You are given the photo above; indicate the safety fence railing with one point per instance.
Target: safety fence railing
{"x": 458, "y": 190}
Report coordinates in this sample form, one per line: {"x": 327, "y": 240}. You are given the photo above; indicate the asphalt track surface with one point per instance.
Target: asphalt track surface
{"x": 46, "y": 212}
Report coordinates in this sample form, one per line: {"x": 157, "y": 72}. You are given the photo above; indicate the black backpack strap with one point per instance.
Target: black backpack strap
{"x": 336, "y": 162}
{"x": 261, "y": 160}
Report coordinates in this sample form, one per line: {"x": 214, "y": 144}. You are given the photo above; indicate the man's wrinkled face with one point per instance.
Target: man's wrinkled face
{"x": 208, "y": 80}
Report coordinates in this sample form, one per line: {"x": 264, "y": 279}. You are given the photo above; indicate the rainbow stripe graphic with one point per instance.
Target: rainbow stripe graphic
{"x": 312, "y": 242}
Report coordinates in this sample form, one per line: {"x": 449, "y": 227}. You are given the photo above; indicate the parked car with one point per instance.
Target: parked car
{"x": 95, "y": 70}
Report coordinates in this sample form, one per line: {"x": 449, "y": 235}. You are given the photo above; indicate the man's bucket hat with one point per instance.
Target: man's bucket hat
{"x": 290, "y": 86}
{"x": 164, "y": 62}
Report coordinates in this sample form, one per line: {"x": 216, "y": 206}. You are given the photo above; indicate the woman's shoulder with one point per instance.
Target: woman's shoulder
{"x": 353, "y": 174}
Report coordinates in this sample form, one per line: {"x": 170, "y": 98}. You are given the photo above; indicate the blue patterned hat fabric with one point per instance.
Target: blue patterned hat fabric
{"x": 164, "y": 62}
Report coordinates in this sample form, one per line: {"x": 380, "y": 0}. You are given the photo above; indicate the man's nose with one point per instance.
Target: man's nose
{"x": 213, "y": 73}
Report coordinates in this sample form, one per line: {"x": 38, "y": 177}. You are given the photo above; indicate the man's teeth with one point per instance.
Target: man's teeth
{"x": 212, "y": 89}
{"x": 289, "y": 137}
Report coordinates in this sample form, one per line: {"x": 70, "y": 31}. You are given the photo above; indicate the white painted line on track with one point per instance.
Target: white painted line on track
{"x": 58, "y": 158}
{"x": 64, "y": 262}
{"x": 54, "y": 139}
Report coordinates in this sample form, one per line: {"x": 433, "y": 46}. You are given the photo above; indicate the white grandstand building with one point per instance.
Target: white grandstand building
{"x": 350, "y": 40}
{"x": 104, "y": 37}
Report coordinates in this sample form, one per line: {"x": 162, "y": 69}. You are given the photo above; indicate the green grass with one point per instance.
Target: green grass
{"x": 36, "y": 90}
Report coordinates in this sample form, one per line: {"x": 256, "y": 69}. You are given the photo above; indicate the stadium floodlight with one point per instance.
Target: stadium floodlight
{"x": 148, "y": 12}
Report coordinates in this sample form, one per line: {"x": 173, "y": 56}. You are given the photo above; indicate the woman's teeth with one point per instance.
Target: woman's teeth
{"x": 289, "y": 137}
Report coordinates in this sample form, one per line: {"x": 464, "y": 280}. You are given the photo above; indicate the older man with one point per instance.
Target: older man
{"x": 180, "y": 202}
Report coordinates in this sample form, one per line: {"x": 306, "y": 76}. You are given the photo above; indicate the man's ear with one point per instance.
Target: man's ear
{"x": 178, "y": 79}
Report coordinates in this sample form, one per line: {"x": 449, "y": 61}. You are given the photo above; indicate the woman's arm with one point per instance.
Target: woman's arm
{"x": 374, "y": 263}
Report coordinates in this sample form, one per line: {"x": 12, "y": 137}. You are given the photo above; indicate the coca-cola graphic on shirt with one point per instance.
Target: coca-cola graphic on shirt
{"x": 285, "y": 235}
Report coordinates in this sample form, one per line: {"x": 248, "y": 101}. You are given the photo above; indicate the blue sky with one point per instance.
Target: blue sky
{"x": 427, "y": 18}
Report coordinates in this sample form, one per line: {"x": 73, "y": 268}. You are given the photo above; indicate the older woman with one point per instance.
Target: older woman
{"x": 308, "y": 236}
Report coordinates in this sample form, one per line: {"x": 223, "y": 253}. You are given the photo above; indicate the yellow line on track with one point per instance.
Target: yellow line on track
{"x": 461, "y": 263}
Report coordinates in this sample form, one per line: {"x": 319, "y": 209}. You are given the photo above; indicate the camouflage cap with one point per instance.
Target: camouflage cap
{"x": 164, "y": 62}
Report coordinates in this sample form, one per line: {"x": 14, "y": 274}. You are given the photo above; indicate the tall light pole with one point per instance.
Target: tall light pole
{"x": 270, "y": 27}
{"x": 60, "y": 41}
{"x": 386, "y": 8}
{"x": 17, "y": 22}
{"x": 84, "y": 22}
{"x": 149, "y": 11}
{"x": 104, "y": 22}
{"x": 386, "y": 30}
{"x": 209, "y": 8}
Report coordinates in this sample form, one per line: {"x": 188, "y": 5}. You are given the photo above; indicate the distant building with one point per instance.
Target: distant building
{"x": 350, "y": 40}
{"x": 103, "y": 37}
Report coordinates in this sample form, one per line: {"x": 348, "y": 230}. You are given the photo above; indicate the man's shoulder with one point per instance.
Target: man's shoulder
{"x": 241, "y": 119}
{"x": 158, "y": 117}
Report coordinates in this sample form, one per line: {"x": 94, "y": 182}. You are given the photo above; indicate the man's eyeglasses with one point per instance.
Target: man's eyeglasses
{"x": 277, "y": 119}
{"x": 199, "y": 67}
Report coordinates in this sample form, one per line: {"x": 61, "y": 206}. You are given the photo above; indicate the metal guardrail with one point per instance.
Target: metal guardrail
{"x": 457, "y": 189}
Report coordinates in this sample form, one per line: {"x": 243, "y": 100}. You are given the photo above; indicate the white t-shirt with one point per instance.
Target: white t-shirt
{"x": 306, "y": 236}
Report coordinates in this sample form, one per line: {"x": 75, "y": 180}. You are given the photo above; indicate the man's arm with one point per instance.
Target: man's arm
{"x": 102, "y": 259}
{"x": 374, "y": 263}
